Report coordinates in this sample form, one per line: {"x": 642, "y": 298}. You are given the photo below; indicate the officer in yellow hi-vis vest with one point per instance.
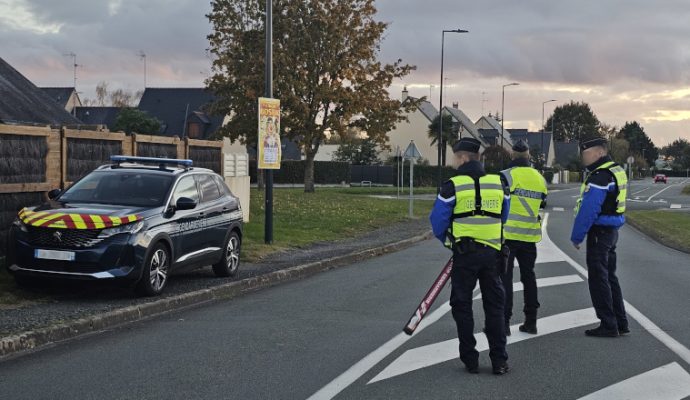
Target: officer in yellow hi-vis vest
{"x": 599, "y": 215}
{"x": 522, "y": 231}
{"x": 468, "y": 216}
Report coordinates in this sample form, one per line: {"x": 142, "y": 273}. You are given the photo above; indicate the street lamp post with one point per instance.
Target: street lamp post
{"x": 440, "y": 106}
{"x": 503, "y": 117}
{"x": 543, "y": 153}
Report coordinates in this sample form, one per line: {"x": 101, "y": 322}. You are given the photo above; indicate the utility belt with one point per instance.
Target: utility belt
{"x": 468, "y": 245}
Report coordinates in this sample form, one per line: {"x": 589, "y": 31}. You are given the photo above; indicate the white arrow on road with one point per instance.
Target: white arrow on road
{"x": 669, "y": 382}
{"x": 437, "y": 353}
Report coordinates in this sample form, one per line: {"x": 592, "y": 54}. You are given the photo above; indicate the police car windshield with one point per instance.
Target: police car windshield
{"x": 122, "y": 188}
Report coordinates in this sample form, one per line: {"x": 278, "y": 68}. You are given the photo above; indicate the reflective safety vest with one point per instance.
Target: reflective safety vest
{"x": 527, "y": 191}
{"x": 477, "y": 212}
{"x": 611, "y": 206}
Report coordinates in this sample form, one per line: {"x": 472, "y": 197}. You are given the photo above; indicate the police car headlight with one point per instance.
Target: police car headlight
{"x": 128, "y": 228}
{"x": 20, "y": 225}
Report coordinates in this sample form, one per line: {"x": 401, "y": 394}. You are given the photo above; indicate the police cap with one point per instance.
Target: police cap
{"x": 520, "y": 146}
{"x": 470, "y": 145}
{"x": 592, "y": 142}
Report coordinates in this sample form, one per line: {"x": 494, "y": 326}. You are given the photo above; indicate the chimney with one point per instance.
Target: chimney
{"x": 405, "y": 94}
{"x": 455, "y": 105}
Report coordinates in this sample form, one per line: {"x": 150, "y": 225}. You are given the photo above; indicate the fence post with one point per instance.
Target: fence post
{"x": 63, "y": 157}
{"x": 134, "y": 144}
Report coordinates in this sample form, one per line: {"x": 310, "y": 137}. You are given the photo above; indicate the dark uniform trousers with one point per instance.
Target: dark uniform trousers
{"x": 604, "y": 289}
{"x": 467, "y": 269}
{"x": 526, "y": 255}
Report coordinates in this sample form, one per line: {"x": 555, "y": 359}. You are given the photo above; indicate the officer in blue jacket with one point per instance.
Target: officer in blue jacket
{"x": 599, "y": 215}
{"x": 472, "y": 227}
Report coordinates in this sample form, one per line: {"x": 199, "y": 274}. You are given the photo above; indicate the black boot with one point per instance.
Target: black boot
{"x": 530, "y": 326}
{"x": 601, "y": 331}
{"x": 501, "y": 369}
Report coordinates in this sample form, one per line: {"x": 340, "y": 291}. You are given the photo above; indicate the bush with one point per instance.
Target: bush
{"x": 574, "y": 176}
{"x": 548, "y": 175}
{"x": 325, "y": 172}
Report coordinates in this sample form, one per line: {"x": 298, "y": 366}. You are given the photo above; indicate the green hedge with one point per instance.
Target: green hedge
{"x": 574, "y": 176}
{"x": 325, "y": 172}
{"x": 425, "y": 175}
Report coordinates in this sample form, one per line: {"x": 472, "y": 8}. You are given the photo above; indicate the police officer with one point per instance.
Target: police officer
{"x": 522, "y": 231}
{"x": 599, "y": 215}
{"x": 467, "y": 217}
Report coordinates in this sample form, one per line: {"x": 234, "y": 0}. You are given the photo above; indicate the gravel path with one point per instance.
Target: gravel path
{"x": 70, "y": 301}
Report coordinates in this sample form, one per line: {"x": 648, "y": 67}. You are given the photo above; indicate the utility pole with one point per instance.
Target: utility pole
{"x": 74, "y": 65}
{"x": 268, "y": 228}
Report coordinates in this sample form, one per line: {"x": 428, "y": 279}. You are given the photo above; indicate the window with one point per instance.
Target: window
{"x": 221, "y": 184}
{"x": 186, "y": 188}
{"x": 209, "y": 189}
{"x": 120, "y": 188}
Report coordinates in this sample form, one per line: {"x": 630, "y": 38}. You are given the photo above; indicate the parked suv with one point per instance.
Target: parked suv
{"x": 660, "y": 178}
{"x": 136, "y": 220}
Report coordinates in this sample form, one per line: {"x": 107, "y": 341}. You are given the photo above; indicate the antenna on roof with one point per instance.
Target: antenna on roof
{"x": 142, "y": 56}
{"x": 74, "y": 65}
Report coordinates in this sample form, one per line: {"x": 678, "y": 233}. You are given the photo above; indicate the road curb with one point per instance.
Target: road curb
{"x": 33, "y": 339}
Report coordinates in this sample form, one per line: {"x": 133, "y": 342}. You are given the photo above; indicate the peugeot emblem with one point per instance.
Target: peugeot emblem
{"x": 58, "y": 236}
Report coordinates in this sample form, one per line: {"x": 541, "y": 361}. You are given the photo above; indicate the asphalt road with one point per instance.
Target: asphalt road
{"x": 338, "y": 335}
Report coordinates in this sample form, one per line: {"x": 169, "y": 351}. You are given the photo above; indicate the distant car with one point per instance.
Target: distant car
{"x": 130, "y": 222}
{"x": 660, "y": 178}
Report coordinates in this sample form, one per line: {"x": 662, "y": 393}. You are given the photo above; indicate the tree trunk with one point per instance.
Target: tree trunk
{"x": 309, "y": 172}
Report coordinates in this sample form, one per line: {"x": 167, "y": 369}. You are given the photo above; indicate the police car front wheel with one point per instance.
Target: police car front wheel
{"x": 230, "y": 261}
{"x": 155, "y": 272}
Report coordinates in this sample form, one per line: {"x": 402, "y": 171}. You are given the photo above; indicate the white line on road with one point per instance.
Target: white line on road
{"x": 545, "y": 282}
{"x": 675, "y": 206}
{"x": 436, "y": 353}
{"x": 664, "y": 189}
{"x": 646, "y": 323}
{"x": 669, "y": 382}
{"x": 645, "y": 189}
{"x": 559, "y": 209}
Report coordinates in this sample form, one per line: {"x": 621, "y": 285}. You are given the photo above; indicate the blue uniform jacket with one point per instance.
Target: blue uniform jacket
{"x": 598, "y": 186}
{"x": 441, "y": 215}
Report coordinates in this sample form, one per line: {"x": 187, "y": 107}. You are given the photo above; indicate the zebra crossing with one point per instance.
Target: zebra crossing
{"x": 397, "y": 362}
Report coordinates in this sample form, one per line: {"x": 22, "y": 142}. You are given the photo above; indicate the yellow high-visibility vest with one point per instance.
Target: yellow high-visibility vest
{"x": 478, "y": 221}
{"x": 527, "y": 191}
{"x": 621, "y": 180}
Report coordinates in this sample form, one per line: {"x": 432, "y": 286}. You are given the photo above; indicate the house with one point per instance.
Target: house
{"x": 566, "y": 152}
{"x": 464, "y": 125}
{"x": 183, "y": 112}
{"x": 534, "y": 142}
{"x": 21, "y": 102}
{"x": 489, "y": 122}
{"x": 416, "y": 128}
{"x": 66, "y": 97}
{"x": 106, "y": 116}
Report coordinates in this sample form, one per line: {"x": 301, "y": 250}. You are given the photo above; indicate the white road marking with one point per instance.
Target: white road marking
{"x": 437, "y": 353}
{"x": 664, "y": 189}
{"x": 669, "y": 382}
{"x": 646, "y": 323}
{"x": 544, "y": 282}
{"x": 676, "y": 206}
{"x": 559, "y": 209}
{"x": 647, "y": 188}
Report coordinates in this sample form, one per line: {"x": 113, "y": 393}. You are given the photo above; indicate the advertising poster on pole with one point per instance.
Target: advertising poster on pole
{"x": 269, "y": 134}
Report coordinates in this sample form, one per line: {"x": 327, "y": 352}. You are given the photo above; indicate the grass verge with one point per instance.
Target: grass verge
{"x": 300, "y": 219}
{"x": 667, "y": 227}
{"x": 686, "y": 189}
{"x": 10, "y": 294}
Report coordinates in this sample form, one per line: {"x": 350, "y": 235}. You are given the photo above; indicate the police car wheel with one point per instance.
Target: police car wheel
{"x": 155, "y": 274}
{"x": 229, "y": 263}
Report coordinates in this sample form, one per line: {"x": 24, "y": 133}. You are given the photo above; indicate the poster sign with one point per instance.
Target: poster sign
{"x": 269, "y": 134}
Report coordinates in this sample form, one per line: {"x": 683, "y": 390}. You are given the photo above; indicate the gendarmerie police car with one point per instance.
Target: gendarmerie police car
{"x": 137, "y": 219}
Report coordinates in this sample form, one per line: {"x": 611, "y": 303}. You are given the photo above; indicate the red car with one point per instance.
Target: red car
{"x": 660, "y": 178}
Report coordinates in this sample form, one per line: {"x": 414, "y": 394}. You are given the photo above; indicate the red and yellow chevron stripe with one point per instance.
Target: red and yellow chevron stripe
{"x": 58, "y": 220}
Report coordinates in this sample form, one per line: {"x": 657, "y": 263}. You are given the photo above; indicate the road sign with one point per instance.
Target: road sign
{"x": 411, "y": 152}
{"x": 630, "y": 159}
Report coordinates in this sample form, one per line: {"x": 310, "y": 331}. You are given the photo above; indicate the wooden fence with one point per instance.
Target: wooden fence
{"x": 73, "y": 153}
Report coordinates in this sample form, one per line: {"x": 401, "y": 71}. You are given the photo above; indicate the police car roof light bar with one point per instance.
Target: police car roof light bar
{"x": 161, "y": 161}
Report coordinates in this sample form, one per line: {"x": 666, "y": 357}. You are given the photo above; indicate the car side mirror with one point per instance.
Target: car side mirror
{"x": 185, "y": 203}
{"x": 54, "y": 193}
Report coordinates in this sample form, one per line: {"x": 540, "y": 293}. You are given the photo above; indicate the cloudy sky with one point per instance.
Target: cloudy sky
{"x": 629, "y": 59}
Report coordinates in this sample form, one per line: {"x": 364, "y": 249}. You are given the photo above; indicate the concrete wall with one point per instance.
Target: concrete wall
{"x": 236, "y": 174}
{"x": 416, "y": 129}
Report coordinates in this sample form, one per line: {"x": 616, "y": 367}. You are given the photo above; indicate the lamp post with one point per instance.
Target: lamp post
{"x": 440, "y": 106}
{"x": 503, "y": 116}
{"x": 543, "y": 153}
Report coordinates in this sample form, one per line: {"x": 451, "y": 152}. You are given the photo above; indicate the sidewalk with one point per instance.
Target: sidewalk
{"x": 73, "y": 303}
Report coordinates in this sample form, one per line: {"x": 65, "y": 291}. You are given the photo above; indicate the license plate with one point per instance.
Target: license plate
{"x": 54, "y": 255}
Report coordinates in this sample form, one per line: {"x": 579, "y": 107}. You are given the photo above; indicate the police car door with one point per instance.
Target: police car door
{"x": 185, "y": 225}
{"x": 212, "y": 202}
